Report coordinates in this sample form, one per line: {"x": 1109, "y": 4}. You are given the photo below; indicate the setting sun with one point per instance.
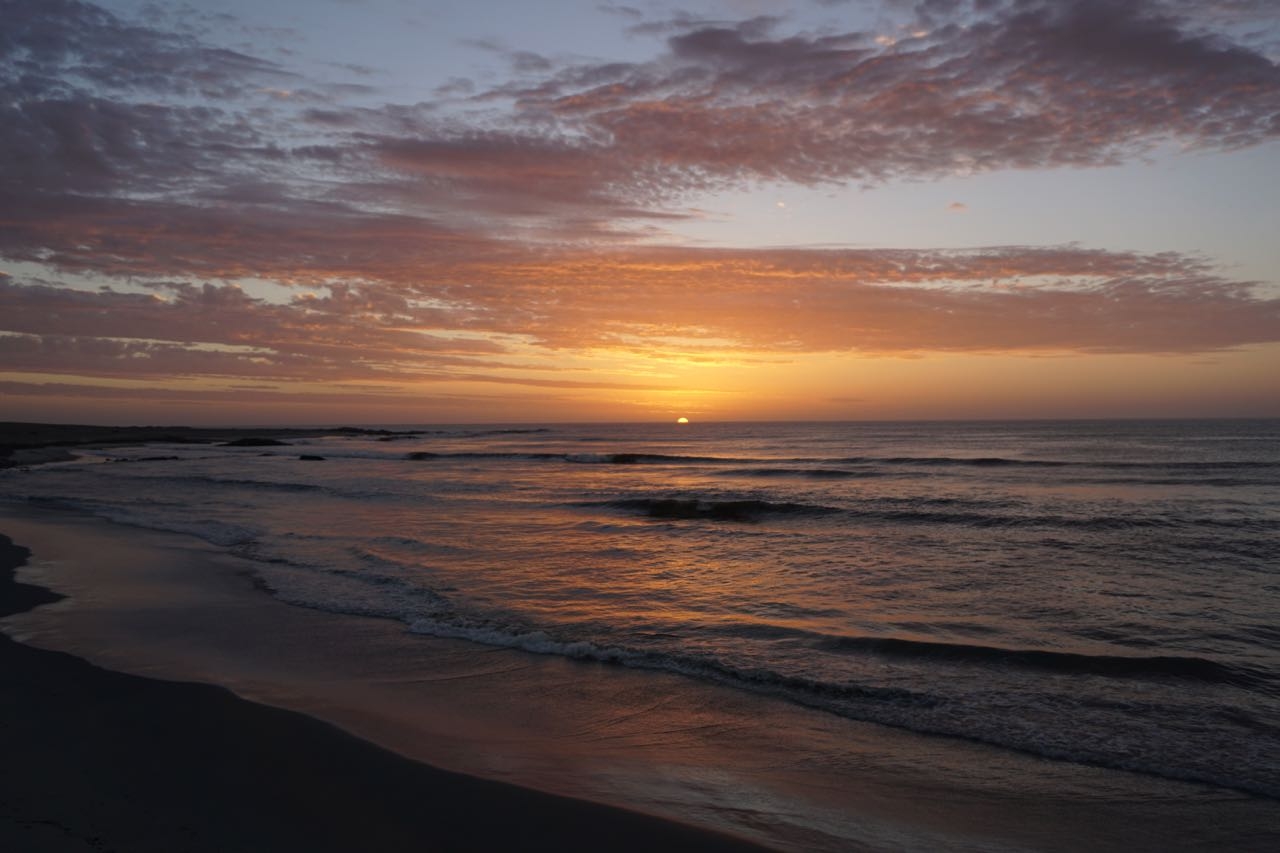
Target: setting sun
{"x": 682, "y": 420}
{"x": 734, "y": 289}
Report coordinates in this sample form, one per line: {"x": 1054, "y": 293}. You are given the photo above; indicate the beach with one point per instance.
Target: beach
{"x": 100, "y": 760}
{"x": 173, "y": 693}
{"x": 818, "y": 427}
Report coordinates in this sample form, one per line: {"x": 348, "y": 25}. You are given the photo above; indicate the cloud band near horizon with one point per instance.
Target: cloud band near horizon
{"x": 178, "y": 209}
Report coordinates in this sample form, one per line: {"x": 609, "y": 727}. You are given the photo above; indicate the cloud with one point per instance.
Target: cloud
{"x": 450, "y": 323}
{"x": 1013, "y": 299}
{"x": 98, "y": 106}
{"x": 419, "y": 242}
{"x": 95, "y": 105}
{"x": 50, "y": 45}
{"x": 1009, "y": 85}
{"x": 991, "y": 85}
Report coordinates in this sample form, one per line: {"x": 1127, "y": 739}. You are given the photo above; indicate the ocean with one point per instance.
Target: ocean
{"x": 1098, "y": 593}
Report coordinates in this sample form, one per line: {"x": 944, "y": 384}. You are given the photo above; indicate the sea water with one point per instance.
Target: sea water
{"x": 1105, "y": 593}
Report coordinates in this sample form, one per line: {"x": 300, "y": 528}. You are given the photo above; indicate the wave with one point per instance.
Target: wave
{"x": 1089, "y": 523}
{"x": 980, "y": 461}
{"x": 715, "y": 510}
{"x": 863, "y": 466}
{"x": 754, "y": 509}
{"x": 242, "y": 482}
{"x": 539, "y": 642}
{"x": 141, "y": 514}
{"x": 166, "y": 479}
{"x": 286, "y": 486}
{"x": 577, "y": 458}
{"x": 1222, "y": 482}
{"x": 645, "y": 459}
{"x": 1072, "y": 663}
{"x": 987, "y": 520}
{"x": 1005, "y": 462}
{"x": 1207, "y": 465}
{"x": 811, "y": 473}
{"x": 428, "y": 455}
{"x": 911, "y": 710}
{"x": 464, "y": 433}
{"x": 641, "y": 458}
{"x": 511, "y": 431}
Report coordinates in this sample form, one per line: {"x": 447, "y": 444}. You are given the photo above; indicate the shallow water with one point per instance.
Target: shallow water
{"x": 1100, "y": 593}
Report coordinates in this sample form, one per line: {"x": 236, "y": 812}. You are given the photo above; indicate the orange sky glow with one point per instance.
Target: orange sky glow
{"x": 833, "y": 211}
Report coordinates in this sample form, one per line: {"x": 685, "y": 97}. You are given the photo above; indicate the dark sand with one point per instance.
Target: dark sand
{"x": 98, "y": 760}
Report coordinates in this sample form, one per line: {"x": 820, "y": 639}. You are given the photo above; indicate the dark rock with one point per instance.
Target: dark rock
{"x": 307, "y": 457}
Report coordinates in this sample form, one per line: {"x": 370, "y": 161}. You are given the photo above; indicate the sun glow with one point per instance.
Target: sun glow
{"x": 682, "y": 420}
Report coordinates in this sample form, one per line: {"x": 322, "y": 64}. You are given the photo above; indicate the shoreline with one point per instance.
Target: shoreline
{"x": 97, "y": 759}
{"x": 655, "y": 744}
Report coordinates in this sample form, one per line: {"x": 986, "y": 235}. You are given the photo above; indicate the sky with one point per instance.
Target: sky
{"x": 399, "y": 211}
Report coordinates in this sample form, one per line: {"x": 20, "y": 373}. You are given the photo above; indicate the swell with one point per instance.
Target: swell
{"x": 974, "y": 462}
{"x": 539, "y": 642}
{"x": 247, "y": 483}
{"x": 755, "y": 509}
{"x": 809, "y": 473}
{"x": 1219, "y": 482}
{"x": 714, "y": 510}
{"x": 1005, "y": 462}
{"x": 1096, "y": 523}
{"x": 641, "y": 458}
{"x": 911, "y": 710}
{"x": 864, "y": 466}
{"x": 252, "y": 484}
{"x": 1181, "y": 668}
{"x": 1209, "y": 465}
{"x": 577, "y": 458}
{"x": 142, "y": 515}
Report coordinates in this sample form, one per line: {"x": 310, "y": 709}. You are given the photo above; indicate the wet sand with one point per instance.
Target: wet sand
{"x": 100, "y": 760}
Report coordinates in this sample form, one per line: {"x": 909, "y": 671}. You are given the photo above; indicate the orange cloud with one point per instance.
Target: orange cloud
{"x": 153, "y": 192}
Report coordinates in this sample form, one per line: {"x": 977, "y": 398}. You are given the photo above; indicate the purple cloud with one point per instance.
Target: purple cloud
{"x": 423, "y": 242}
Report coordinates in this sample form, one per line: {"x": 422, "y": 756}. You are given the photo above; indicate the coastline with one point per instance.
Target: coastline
{"x": 97, "y": 759}
{"x": 696, "y": 754}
